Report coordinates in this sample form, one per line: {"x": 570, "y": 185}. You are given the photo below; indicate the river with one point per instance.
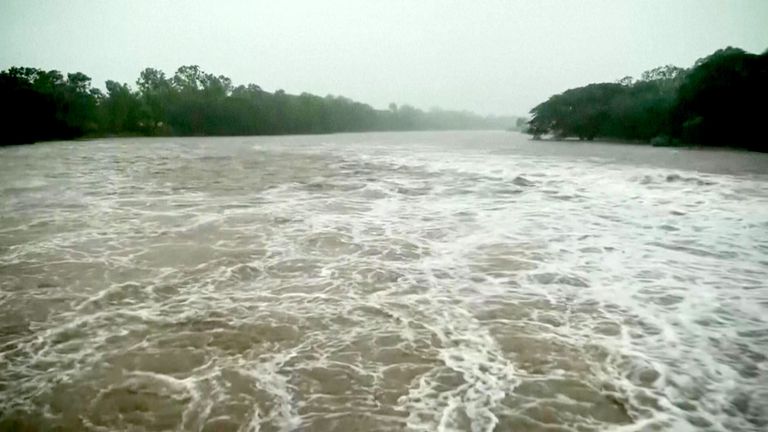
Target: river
{"x": 468, "y": 281}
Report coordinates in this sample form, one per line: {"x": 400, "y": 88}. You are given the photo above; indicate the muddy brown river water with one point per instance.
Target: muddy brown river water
{"x": 454, "y": 281}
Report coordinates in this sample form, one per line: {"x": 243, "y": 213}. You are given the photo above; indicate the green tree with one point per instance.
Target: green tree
{"x": 122, "y": 110}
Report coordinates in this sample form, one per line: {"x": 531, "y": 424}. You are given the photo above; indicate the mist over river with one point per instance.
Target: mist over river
{"x": 454, "y": 281}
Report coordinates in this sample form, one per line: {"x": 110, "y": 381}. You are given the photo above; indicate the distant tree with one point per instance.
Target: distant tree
{"x": 668, "y": 72}
{"x": 155, "y": 92}
{"x": 29, "y": 114}
{"x": 80, "y": 114}
{"x": 48, "y": 105}
{"x": 122, "y": 110}
{"x": 720, "y": 101}
{"x": 42, "y": 105}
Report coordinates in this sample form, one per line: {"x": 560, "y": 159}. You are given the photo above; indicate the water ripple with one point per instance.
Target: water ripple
{"x": 446, "y": 281}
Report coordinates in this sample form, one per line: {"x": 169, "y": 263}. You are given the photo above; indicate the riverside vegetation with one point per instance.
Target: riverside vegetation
{"x": 717, "y": 102}
{"x": 720, "y": 101}
{"x": 44, "y": 105}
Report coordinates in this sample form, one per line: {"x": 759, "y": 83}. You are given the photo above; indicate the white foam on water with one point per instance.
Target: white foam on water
{"x": 448, "y": 281}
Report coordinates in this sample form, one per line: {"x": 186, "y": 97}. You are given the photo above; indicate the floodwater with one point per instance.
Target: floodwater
{"x": 455, "y": 281}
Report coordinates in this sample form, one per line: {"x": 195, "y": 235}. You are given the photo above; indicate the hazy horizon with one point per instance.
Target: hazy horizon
{"x": 495, "y": 58}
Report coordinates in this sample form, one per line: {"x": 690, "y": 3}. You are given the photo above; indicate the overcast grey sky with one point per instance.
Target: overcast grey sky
{"x": 488, "y": 56}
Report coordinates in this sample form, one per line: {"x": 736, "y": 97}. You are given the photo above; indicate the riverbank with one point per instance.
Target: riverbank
{"x": 671, "y": 145}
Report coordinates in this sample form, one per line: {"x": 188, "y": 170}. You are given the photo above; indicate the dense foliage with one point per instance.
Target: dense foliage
{"x": 44, "y": 105}
{"x": 718, "y": 102}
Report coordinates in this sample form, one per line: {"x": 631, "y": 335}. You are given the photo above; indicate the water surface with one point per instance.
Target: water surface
{"x": 469, "y": 281}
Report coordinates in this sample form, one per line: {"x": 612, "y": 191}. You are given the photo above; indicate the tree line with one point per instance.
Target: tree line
{"x": 48, "y": 105}
{"x": 720, "y": 101}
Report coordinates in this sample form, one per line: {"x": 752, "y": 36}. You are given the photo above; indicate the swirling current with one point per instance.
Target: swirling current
{"x": 454, "y": 281}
